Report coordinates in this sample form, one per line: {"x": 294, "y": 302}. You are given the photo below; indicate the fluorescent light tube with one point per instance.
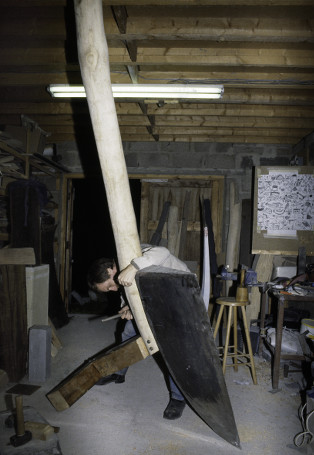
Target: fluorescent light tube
{"x": 144, "y": 91}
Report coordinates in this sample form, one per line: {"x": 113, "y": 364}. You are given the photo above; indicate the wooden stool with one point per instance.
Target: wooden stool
{"x": 235, "y": 354}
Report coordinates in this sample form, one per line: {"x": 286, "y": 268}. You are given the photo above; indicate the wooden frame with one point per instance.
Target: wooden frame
{"x": 64, "y": 253}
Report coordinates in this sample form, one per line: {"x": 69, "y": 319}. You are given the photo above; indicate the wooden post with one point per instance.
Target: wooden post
{"x": 263, "y": 265}
{"x": 94, "y": 63}
{"x": 233, "y": 242}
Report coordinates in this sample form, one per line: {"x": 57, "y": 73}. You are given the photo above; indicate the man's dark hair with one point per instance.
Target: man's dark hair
{"x": 98, "y": 272}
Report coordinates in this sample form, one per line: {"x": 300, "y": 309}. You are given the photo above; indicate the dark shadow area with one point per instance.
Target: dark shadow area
{"x": 92, "y": 239}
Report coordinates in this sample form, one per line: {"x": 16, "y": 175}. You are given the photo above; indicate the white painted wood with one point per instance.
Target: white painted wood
{"x": 205, "y": 291}
{"x": 94, "y": 64}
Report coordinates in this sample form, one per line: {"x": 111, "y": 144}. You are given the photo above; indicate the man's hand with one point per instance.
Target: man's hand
{"x": 126, "y": 277}
{"x": 126, "y": 313}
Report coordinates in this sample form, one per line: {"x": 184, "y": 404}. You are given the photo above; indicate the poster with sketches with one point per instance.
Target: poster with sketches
{"x": 285, "y": 203}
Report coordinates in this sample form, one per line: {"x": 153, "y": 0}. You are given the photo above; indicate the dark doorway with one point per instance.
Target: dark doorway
{"x": 93, "y": 237}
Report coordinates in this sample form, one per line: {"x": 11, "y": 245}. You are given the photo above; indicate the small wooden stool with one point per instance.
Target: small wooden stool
{"x": 233, "y": 306}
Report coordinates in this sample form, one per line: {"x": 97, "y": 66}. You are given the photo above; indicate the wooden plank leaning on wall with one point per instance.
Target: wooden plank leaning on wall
{"x": 13, "y": 321}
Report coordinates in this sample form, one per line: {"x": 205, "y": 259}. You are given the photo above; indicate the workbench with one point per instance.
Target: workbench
{"x": 280, "y": 298}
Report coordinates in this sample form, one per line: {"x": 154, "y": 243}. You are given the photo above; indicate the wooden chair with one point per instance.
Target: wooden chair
{"x": 240, "y": 358}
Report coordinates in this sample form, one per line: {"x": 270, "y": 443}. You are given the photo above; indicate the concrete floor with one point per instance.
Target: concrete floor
{"x": 126, "y": 419}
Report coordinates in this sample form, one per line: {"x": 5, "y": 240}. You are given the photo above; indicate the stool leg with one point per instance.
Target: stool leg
{"x": 224, "y": 363}
{"x": 248, "y": 340}
{"x": 235, "y": 337}
{"x": 218, "y": 320}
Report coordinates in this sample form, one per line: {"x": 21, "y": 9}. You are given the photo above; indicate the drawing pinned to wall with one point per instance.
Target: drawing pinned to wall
{"x": 283, "y": 212}
{"x": 285, "y": 203}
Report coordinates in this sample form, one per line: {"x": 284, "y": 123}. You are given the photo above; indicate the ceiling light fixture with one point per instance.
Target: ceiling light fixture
{"x": 144, "y": 91}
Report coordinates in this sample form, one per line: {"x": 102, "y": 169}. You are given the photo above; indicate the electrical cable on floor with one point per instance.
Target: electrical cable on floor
{"x": 306, "y": 435}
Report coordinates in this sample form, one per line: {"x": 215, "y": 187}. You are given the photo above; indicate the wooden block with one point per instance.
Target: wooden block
{"x": 54, "y": 337}
{"x": 54, "y": 350}
{"x": 39, "y": 430}
{"x": 106, "y": 362}
{"x": 37, "y": 293}
{"x": 17, "y": 256}
{"x": 13, "y": 321}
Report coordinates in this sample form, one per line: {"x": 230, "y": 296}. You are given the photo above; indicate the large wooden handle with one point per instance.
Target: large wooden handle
{"x": 242, "y": 276}
{"x": 94, "y": 63}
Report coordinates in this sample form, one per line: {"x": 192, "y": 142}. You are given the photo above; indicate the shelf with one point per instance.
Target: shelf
{"x": 20, "y": 166}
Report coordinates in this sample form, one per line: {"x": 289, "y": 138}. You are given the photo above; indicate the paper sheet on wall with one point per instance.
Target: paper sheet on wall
{"x": 285, "y": 203}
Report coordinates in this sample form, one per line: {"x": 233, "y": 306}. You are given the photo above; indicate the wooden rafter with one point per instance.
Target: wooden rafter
{"x": 260, "y": 50}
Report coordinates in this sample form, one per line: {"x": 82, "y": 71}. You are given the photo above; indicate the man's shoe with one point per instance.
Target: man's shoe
{"x": 117, "y": 378}
{"x": 174, "y": 409}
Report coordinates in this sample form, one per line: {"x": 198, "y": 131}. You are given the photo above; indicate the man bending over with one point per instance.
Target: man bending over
{"x": 103, "y": 276}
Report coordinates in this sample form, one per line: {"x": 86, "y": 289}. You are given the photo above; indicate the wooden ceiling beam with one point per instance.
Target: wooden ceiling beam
{"x": 219, "y": 23}
{"x": 232, "y": 22}
{"x": 201, "y": 136}
{"x": 260, "y": 56}
{"x": 237, "y": 110}
{"x": 223, "y": 139}
{"x": 121, "y": 16}
{"x": 199, "y": 2}
{"x": 182, "y": 121}
{"x": 217, "y": 131}
{"x": 217, "y": 54}
{"x": 47, "y": 3}
{"x": 260, "y": 50}
{"x": 236, "y": 76}
{"x": 146, "y": 137}
{"x": 60, "y": 110}
{"x": 157, "y": 130}
{"x": 222, "y": 121}
{"x": 219, "y": 135}
{"x": 227, "y": 134}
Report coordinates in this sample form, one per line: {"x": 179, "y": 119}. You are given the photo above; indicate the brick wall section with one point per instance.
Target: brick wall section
{"x": 234, "y": 161}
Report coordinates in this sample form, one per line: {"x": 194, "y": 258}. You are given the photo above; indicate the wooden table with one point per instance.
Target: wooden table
{"x": 281, "y": 298}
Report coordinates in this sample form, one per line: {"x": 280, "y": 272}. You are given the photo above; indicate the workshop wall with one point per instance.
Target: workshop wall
{"x": 233, "y": 161}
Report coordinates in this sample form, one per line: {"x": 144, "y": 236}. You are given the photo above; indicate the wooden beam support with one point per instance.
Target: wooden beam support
{"x": 120, "y": 15}
{"x": 132, "y": 49}
{"x": 133, "y": 73}
{"x": 78, "y": 383}
{"x": 94, "y": 63}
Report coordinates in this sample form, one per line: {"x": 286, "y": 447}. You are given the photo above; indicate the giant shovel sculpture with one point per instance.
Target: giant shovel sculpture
{"x": 197, "y": 369}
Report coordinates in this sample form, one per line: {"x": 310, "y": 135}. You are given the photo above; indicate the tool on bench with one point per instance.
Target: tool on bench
{"x": 22, "y": 436}
{"x": 242, "y": 292}
{"x": 118, "y": 315}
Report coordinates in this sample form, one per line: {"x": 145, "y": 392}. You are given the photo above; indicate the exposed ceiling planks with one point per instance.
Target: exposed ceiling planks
{"x": 262, "y": 51}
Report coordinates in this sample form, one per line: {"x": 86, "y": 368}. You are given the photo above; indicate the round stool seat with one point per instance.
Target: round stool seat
{"x": 231, "y": 301}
